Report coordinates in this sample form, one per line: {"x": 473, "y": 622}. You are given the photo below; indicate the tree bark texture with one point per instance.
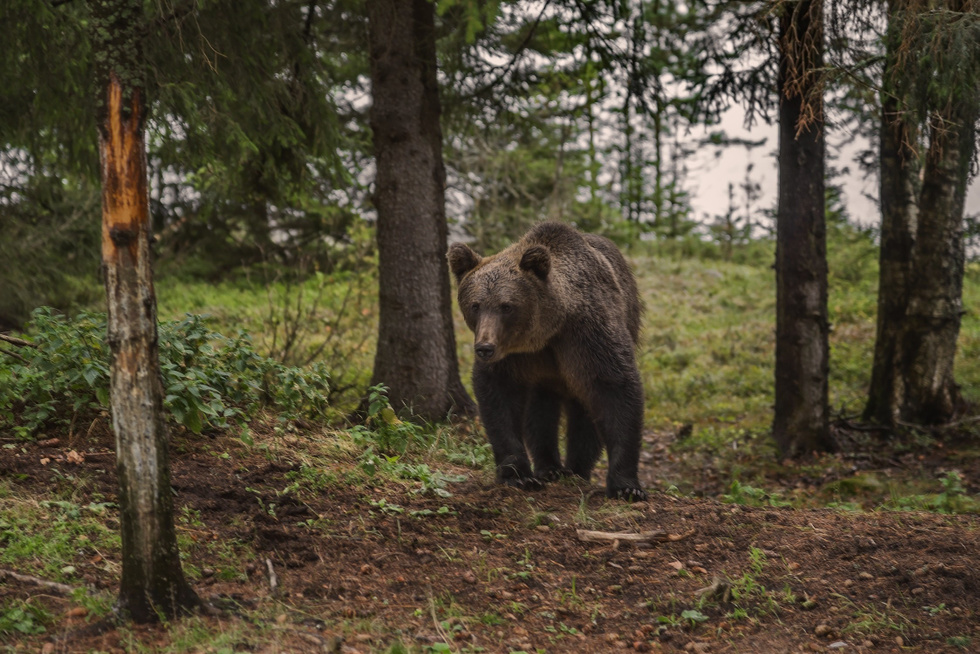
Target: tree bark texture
{"x": 416, "y": 355}
{"x": 922, "y": 253}
{"x": 899, "y": 217}
{"x": 935, "y": 299}
{"x": 152, "y": 582}
{"x": 800, "y": 424}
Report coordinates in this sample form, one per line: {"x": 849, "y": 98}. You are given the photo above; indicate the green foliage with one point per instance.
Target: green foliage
{"x": 385, "y": 439}
{"x": 209, "y": 381}
{"x": 19, "y": 617}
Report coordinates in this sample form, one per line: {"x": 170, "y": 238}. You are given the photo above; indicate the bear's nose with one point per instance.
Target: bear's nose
{"x": 485, "y": 350}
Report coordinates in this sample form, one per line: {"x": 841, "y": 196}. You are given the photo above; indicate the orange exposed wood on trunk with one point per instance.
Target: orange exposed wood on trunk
{"x": 125, "y": 213}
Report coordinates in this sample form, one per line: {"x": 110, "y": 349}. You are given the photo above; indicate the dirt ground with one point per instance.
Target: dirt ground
{"x": 500, "y": 570}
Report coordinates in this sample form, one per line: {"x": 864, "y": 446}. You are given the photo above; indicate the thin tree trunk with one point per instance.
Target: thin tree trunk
{"x": 800, "y": 424}
{"x": 416, "y": 355}
{"x": 152, "y": 582}
{"x": 899, "y": 213}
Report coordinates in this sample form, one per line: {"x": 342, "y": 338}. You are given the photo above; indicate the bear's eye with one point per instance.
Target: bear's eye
{"x": 475, "y": 307}
{"x": 506, "y": 308}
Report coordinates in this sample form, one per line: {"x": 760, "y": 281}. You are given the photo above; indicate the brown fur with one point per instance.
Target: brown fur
{"x": 556, "y": 317}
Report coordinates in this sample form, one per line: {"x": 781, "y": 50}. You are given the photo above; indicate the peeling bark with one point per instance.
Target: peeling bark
{"x": 416, "y": 356}
{"x": 152, "y": 580}
{"x": 800, "y": 423}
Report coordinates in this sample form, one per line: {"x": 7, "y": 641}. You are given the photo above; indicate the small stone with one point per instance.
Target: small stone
{"x": 848, "y": 583}
{"x": 612, "y": 638}
{"x": 868, "y": 643}
{"x": 822, "y": 630}
{"x": 793, "y": 566}
{"x": 543, "y": 528}
{"x": 469, "y": 577}
{"x": 640, "y": 646}
{"x": 865, "y": 576}
{"x": 918, "y": 590}
{"x": 899, "y": 641}
{"x": 837, "y": 645}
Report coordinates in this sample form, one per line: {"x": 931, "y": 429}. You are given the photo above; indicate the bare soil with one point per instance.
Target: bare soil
{"x": 504, "y": 570}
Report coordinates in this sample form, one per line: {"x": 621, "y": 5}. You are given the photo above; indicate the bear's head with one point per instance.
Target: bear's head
{"x": 506, "y": 299}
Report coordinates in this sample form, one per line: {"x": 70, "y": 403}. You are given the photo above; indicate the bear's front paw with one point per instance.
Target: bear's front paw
{"x": 524, "y": 483}
{"x": 553, "y": 474}
{"x": 629, "y": 493}
{"x": 518, "y": 474}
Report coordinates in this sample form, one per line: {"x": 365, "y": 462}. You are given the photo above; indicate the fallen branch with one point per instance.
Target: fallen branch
{"x": 9, "y": 353}
{"x": 587, "y": 536}
{"x": 616, "y": 537}
{"x": 61, "y": 589}
{"x": 17, "y": 341}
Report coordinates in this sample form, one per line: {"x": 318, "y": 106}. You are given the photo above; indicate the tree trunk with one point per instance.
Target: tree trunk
{"x": 932, "y": 320}
{"x": 899, "y": 213}
{"x": 152, "y": 581}
{"x": 920, "y": 294}
{"x": 800, "y": 424}
{"x": 416, "y": 355}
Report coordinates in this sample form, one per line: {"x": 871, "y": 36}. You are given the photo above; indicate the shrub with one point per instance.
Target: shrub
{"x": 209, "y": 380}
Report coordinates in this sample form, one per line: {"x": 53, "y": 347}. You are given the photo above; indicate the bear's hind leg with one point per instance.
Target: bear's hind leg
{"x": 541, "y": 418}
{"x": 584, "y": 446}
{"x": 619, "y": 411}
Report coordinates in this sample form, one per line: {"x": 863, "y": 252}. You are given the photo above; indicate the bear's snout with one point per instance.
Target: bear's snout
{"x": 485, "y": 351}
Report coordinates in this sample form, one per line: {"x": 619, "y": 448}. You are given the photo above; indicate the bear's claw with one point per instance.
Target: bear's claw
{"x": 629, "y": 494}
{"x": 525, "y": 483}
{"x": 553, "y": 474}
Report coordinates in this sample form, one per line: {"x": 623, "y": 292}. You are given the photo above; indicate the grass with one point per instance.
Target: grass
{"x": 706, "y": 358}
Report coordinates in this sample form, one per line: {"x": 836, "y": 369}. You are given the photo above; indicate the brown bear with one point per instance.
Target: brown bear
{"x": 556, "y": 318}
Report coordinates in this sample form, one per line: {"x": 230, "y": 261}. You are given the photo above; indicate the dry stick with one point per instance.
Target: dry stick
{"x": 273, "y": 579}
{"x": 61, "y": 589}
{"x": 17, "y": 341}
{"x": 607, "y": 536}
{"x": 14, "y": 355}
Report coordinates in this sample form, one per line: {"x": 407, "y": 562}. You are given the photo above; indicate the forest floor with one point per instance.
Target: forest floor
{"x": 376, "y": 566}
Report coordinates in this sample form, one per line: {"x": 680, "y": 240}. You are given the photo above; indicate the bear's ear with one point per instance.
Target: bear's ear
{"x": 537, "y": 259}
{"x": 462, "y": 260}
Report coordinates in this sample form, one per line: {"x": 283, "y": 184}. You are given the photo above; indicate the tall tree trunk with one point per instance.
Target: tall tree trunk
{"x": 899, "y": 213}
{"x": 152, "y": 581}
{"x": 935, "y": 305}
{"x": 416, "y": 356}
{"x": 920, "y": 295}
{"x": 800, "y": 424}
